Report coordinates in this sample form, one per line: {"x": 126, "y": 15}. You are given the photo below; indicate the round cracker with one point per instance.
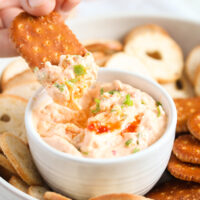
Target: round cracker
{"x": 19, "y": 78}
{"x": 187, "y": 149}
{"x": 5, "y": 174}
{"x": 6, "y": 164}
{"x": 100, "y": 58}
{"x": 54, "y": 196}
{"x": 122, "y": 196}
{"x": 128, "y": 63}
{"x": 18, "y": 183}
{"x": 12, "y": 112}
{"x": 105, "y": 46}
{"x": 157, "y": 51}
{"x": 183, "y": 171}
{"x": 17, "y": 66}
{"x": 175, "y": 190}
{"x": 181, "y": 88}
{"x": 185, "y": 108}
{"x": 37, "y": 192}
{"x": 192, "y": 63}
{"x": 20, "y": 157}
{"x": 197, "y": 81}
{"x": 140, "y": 29}
{"x": 25, "y": 89}
{"x": 193, "y": 125}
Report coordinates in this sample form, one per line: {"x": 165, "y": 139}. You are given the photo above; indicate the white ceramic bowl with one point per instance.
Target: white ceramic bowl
{"x": 185, "y": 32}
{"x": 82, "y": 178}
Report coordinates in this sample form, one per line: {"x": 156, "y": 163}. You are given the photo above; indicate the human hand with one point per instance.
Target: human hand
{"x": 9, "y": 9}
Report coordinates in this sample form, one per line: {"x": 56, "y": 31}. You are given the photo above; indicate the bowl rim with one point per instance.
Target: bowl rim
{"x": 124, "y": 15}
{"x": 168, "y": 131}
{"x": 20, "y": 194}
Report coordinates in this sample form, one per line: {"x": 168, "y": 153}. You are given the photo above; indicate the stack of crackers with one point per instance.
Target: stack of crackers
{"x": 150, "y": 51}
{"x": 17, "y": 167}
{"x": 147, "y": 50}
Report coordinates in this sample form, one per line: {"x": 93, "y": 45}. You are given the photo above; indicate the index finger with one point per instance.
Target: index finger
{"x": 9, "y": 3}
{"x": 44, "y": 7}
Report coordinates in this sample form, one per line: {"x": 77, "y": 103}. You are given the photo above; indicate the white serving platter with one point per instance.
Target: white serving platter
{"x": 186, "y": 33}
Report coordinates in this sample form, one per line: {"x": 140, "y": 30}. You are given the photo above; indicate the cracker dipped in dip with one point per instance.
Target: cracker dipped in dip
{"x": 112, "y": 119}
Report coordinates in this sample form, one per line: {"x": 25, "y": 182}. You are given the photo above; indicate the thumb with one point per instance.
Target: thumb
{"x": 38, "y": 7}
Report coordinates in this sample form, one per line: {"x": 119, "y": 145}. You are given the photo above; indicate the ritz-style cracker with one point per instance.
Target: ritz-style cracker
{"x": 187, "y": 149}
{"x": 185, "y": 108}
{"x": 175, "y": 190}
{"x": 193, "y": 124}
{"x": 45, "y": 38}
{"x": 183, "y": 171}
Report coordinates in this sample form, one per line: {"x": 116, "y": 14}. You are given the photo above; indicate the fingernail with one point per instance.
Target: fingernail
{"x": 35, "y": 3}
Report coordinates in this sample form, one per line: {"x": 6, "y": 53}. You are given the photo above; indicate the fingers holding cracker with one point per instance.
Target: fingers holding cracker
{"x": 45, "y": 38}
{"x": 187, "y": 149}
{"x": 183, "y": 171}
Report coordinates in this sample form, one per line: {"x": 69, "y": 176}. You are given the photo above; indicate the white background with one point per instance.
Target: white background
{"x": 182, "y": 8}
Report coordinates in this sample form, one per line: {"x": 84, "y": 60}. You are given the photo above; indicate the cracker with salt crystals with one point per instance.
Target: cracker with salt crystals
{"x": 193, "y": 125}
{"x": 54, "y": 196}
{"x": 187, "y": 149}
{"x": 20, "y": 157}
{"x": 175, "y": 190}
{"x": 122, "y": 196}
{"x": 185, "y": 108}
{"x": 18, "y": 183}
{"x": 183, "y": 171}
{"x": 45, "y": 38}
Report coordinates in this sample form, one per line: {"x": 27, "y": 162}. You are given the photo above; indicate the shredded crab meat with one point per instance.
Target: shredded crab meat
{"x": 70, "y": 80}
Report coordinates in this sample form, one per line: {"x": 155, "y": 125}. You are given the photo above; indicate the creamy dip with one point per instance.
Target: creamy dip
{"x": 115, "y": 120}
{"x": 70, "y": 80}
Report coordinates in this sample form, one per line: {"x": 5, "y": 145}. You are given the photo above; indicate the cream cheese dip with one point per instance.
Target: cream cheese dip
{"x": 113, "y": 119}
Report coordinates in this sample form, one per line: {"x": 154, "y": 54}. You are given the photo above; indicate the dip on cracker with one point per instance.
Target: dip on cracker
{"x": 70, "y": 79}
